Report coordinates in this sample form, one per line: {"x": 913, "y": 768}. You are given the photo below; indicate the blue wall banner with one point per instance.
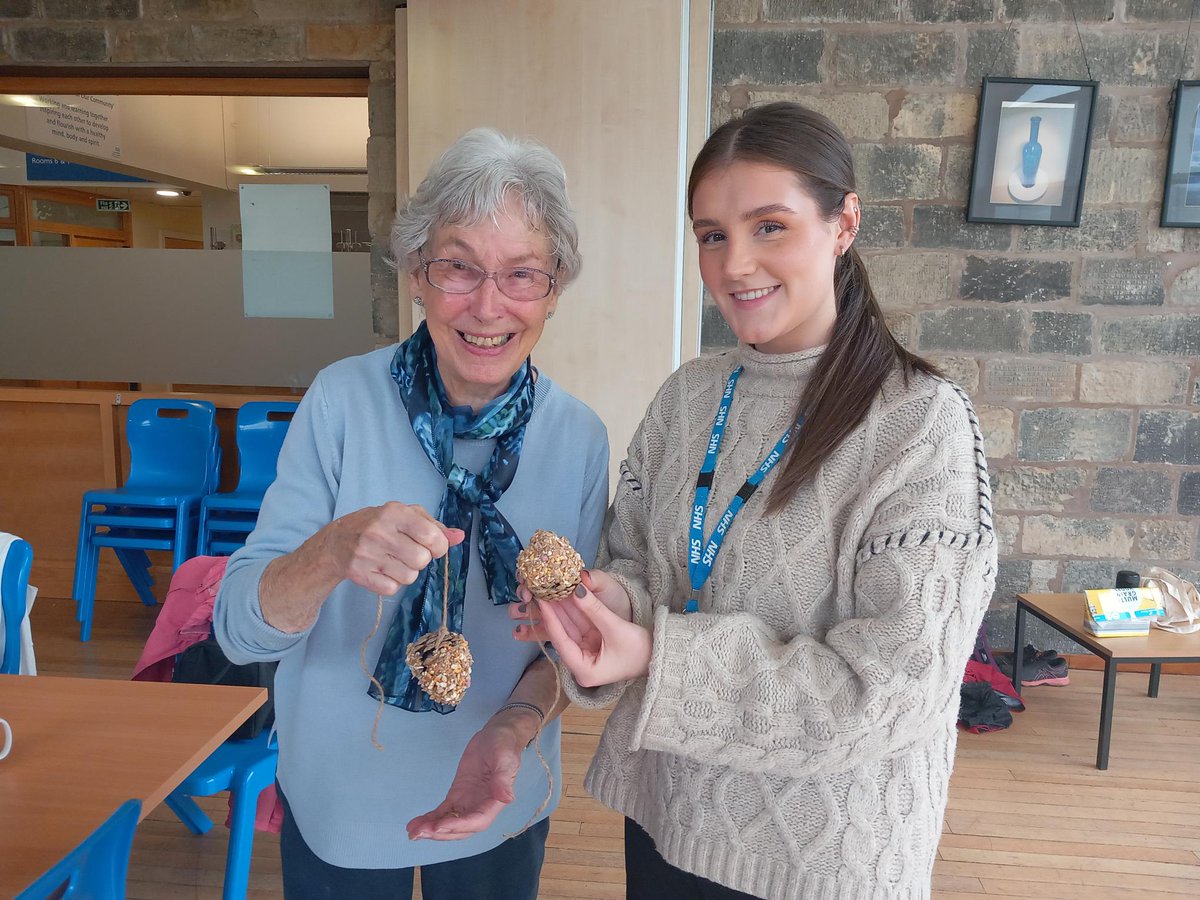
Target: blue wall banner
{"x": 47, "y": 168}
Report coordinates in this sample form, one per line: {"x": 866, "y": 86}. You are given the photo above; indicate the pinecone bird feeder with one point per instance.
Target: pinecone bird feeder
{"x": 441, "y": 660}
{"x": 549, "y": 566}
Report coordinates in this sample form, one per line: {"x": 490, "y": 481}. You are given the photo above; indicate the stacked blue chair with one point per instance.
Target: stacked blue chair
{"x": 174, "y": 461}
{"x": 244, "y": 768}
{"x": 226, "y": 519}
{"x": 98, "y": 867}
{"x": 14, "y": 583}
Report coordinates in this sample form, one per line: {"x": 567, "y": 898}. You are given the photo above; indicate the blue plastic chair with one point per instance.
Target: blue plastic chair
{"x": 97, "y": 868}
{"x": 14, "y": 583}
{"x": 226, "y": 519}
{"x": 245, "y": 769}
{"x": 174, "y": 461}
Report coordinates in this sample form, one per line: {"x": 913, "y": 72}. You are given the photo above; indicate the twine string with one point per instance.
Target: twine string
{"x": 362, "y": 654}
{"x": 444, "y": 630}
{"x": 536, "y": 742}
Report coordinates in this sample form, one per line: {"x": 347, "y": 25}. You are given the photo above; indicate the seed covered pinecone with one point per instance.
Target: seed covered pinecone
{"x": 441, "y": 662}
{"x": 549, "y": 566}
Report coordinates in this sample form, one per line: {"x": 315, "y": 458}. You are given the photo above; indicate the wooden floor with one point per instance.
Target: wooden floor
{"x": 1029, "y": 815}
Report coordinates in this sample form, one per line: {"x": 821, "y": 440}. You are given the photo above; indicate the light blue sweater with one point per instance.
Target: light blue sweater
{"x": 351, "y": 446}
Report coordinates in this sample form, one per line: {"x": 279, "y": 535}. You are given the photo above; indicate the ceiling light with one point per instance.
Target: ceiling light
{"x": 245, "y": 170}
{"x": 168, "y": 193}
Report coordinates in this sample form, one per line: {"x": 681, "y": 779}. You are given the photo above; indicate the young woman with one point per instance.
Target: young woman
{"x": 795, "y": 565}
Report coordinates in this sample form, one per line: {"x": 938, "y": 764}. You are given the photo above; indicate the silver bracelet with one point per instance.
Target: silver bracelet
{"x": 521, "y": 704}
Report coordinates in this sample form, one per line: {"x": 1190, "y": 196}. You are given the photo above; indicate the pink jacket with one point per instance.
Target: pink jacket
{"x": 186, "y": 619}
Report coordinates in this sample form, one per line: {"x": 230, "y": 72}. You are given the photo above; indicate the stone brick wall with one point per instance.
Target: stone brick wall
{"x": 112, "y": 33}
{"x": 1079, "y": 346}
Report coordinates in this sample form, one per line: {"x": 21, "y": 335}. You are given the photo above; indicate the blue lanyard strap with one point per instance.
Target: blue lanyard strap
{"x": 702, "y": 556}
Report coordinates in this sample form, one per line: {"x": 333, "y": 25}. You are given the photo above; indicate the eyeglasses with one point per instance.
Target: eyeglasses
{"x": 457, "y": 276}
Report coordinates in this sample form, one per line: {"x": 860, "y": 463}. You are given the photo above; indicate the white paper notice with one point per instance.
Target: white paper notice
{"x": 83, "y": 123}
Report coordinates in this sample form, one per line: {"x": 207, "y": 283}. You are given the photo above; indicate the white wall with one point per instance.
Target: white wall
{"x": 151, "y": 220}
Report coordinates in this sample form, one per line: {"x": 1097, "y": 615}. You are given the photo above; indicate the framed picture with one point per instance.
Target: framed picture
{"x": 1181, "y": 192}
{"x": 1031, "y": 151}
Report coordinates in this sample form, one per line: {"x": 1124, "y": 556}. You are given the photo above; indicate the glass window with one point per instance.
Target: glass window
{"x": 715, "y": 335}
{"x": 44, "y": 210}
{"x": 8, "y": 237}
{"x": 49, "y": 239}
{"x": 5, "y": 207}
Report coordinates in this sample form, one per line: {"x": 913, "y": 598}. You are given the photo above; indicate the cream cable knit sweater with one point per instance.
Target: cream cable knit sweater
{"x": 794, "y": 738}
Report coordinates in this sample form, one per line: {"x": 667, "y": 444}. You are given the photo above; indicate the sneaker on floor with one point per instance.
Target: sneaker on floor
{"x": 1033, "y": 654}
{"x": 1045, "y": 671}
{"x": 1037, "y": 667}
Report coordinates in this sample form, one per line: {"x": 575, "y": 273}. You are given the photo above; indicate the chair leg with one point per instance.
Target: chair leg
{"x": 183, "y": 536}
{"x": 244, "y": 793}
{"x": 83, "y": 545}
{"x": 189, "y": 813}
{"x": 202, "y": 536}
{"x": 143, "y": 564}
{"x": 138, "y": 576}
{"x": 87, "y": 595}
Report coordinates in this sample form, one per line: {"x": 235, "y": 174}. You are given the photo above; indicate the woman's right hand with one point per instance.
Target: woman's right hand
{"x": 380, "y": 548}
{"x": 384, "y": 548}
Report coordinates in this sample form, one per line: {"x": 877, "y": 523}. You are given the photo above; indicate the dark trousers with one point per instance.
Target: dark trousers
{"x": 508, "y": 872}
{"x": 650, "y": 877}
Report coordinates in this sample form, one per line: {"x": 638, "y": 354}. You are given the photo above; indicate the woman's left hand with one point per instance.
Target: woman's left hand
{"x": 482, "y": 786}
{"x": 596, "y": 644}
{"x": 606, "y": 588}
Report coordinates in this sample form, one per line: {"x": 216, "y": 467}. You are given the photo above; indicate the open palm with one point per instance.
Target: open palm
{"x": 482, "y": 786}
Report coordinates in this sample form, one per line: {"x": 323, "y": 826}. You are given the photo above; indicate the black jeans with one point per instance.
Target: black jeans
{"x": 650, "y": 877}
{"x": 508, "y": 872}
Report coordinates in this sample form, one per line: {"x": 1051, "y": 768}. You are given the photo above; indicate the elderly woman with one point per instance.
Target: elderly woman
{"x": 450, "y": 443}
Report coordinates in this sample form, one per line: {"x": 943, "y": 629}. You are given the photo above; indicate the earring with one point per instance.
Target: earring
{"x": 549, "y": 315}
{"x": 418, "y": 301}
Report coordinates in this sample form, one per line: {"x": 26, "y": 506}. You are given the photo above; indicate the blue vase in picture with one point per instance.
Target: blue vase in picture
{"x": 1031, "y": 154}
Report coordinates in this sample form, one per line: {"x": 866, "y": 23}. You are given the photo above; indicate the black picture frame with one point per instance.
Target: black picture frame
{"x": 1011, "y": 181}
{"x": 1181, "y": 187}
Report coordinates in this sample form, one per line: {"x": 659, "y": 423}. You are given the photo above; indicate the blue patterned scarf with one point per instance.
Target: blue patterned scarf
{"x": 436, "y": 425}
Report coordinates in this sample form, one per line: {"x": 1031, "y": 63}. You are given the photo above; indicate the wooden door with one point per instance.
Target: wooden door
{"x": 619, "y": 90}
{"x": 11, "y": 208}
{"x": 85, "y": 241}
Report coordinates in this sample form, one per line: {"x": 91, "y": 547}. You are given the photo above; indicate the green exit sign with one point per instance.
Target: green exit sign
{"x": 112, "y": 205}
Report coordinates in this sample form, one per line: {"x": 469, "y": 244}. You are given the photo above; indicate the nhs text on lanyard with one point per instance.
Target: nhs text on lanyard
{"x": 701, "y": 556}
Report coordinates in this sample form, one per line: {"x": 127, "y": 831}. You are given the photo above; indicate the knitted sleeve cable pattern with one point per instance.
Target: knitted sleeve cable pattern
{"x": 725, "y": 690}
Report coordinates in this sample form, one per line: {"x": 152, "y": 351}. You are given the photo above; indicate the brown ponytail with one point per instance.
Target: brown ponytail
{"x": 862, "y": 350}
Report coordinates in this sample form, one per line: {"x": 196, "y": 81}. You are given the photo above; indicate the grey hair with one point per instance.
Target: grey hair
{"x": 472, "y": 181}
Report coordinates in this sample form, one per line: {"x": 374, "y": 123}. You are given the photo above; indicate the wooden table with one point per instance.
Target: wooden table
{"x": 82, "y": 746}
{"x": 1065, "y": 613}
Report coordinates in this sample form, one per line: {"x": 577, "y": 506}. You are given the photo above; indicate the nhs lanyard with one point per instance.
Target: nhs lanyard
{"x": 701, "y": 556}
